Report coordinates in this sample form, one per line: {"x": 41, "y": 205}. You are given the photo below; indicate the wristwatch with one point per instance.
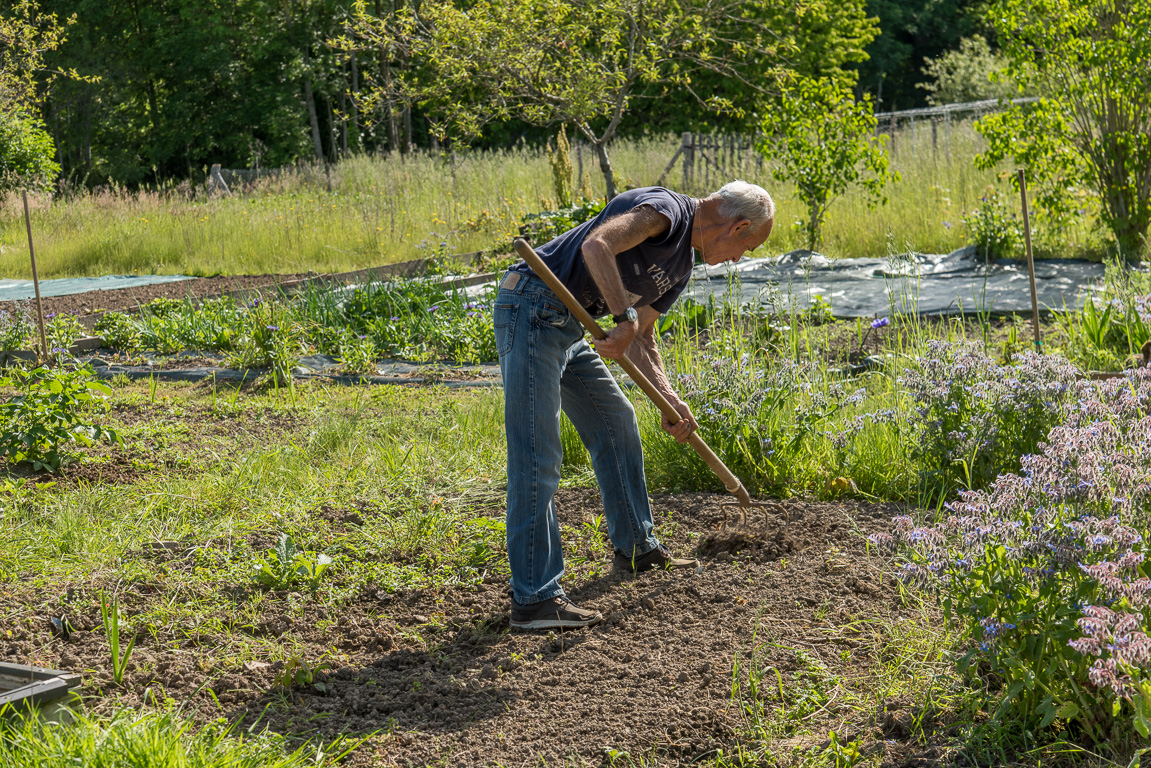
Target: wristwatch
{"x": 628, "y": 314}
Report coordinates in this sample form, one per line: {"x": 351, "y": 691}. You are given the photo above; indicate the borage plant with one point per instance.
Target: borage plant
{"x": 976, "y": 417}
{"x": 1046, "y": 568}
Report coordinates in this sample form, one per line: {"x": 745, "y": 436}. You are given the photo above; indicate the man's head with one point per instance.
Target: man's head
{"x": 737, "y": 218}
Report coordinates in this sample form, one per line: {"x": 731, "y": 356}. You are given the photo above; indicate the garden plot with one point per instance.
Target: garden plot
{"x": 428, "y": 674}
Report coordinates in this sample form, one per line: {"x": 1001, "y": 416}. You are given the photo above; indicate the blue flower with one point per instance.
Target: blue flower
{"x": 879, "y": 322}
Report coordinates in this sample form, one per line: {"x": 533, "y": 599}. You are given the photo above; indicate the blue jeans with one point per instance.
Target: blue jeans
{"x": 547, "y": 365}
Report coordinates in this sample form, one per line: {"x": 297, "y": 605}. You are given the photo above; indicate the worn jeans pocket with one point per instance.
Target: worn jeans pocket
{"x": 504, "y": 319}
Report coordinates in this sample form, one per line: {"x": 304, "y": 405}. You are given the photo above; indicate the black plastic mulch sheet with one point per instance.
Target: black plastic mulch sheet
{"x": 929, "y": 284}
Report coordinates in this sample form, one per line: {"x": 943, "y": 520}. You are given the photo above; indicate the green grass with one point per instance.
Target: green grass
{"x": 157, "y": 740}
{"x": 380, "y": 210}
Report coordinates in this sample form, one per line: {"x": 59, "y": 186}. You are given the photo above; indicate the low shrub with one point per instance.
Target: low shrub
{"x": 1046, "y": 569}
{"x": 994, "y": 228}
{"x": 973, "y": 417}
{"x": 52, "y": 409}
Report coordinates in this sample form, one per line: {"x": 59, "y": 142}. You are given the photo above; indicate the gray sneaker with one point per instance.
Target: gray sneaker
{"x": 660, "y": 557}
{"x": 555, "y": 613}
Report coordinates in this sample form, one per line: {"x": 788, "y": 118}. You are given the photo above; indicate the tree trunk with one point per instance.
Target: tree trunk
{"x": 386, "y": 78}
{"x": 406, "y": 145}
{"x": 354, "y": 138}
{"x": 313, "y": 118}
{"x": 605, "y": 168}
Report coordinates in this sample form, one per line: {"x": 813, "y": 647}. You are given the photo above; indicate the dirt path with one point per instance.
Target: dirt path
{"x": 437, "y": 675}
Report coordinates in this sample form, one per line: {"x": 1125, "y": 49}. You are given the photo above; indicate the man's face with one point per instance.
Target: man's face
{"x": 733, "y": 240}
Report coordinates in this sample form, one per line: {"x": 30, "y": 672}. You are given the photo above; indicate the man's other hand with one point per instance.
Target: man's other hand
{"x": 682, "y": 429}
{"x": 618, "y": 340}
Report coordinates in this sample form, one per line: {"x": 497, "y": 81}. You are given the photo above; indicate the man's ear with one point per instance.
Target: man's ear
{"x": 741, "y": 228}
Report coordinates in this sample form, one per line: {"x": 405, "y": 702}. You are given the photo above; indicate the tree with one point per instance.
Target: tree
{"x": 1092, "y": 60}
{"x": 27, "y": 154}
{"x": 822, "y": 140}
{"x": 578, "y": 62}
{"x": 911, "y": 32}
{"x": 967, "y": 74}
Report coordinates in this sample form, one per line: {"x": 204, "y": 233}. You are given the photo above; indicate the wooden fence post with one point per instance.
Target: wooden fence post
{"x": 688, "y": 160}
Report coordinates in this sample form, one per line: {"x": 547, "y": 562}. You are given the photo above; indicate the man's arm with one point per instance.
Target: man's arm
{"x": 644, "y": 352}
{"x": 599, "y": 249}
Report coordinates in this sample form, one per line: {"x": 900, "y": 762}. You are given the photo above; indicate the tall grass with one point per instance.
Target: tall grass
{"x": 372, "y": 210}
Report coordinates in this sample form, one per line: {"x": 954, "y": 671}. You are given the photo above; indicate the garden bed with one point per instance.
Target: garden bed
{"x": 432, "y": 673}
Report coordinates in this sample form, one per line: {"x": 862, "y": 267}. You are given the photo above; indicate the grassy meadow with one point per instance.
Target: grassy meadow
{"x": 370, "y": 210}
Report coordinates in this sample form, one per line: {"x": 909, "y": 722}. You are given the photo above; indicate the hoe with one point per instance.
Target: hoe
{"x": 729, "y": 480}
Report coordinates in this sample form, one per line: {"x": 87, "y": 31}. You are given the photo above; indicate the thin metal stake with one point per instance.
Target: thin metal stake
{"x": 35, "y": 277}
{"x": 1030, "y": 262}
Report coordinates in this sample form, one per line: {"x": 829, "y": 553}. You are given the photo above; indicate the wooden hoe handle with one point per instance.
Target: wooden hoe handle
{"x": 730, "y": 481}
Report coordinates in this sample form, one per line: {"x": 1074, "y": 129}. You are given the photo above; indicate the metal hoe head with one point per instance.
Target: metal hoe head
{"x": 743, "y": 510}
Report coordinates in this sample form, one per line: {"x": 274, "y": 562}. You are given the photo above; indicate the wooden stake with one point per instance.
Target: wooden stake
{"x": 1030, "y": 262}
{"x": 35, "y": 278}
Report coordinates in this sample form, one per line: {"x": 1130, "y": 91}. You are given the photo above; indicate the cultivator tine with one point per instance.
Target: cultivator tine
{"x": 741, "y": 518}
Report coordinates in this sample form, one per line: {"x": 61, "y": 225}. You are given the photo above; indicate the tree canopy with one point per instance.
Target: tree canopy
{"x": 1093, "y": 126}
{"x": 582, "y": 63}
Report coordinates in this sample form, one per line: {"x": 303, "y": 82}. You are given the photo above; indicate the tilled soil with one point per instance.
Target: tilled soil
{"x": 436, "y": 676}
{"x": 119, "y": 299}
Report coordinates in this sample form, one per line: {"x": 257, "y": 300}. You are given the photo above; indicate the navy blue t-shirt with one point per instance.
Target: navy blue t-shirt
{"x": 654, "y": 273}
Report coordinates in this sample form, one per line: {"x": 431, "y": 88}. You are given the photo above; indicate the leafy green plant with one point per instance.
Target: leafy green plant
{"x": 110, "y": 616}
{"x": 118, "y": 331}
{"x": 284, "y": 566}
{"x": 51, "y": 410}
{"x": 16, "y": 327}
{"x": 358, "y": 354}
{"x": 994, "y": 228}
{"x": 545, "y": 225}
{"x": 1110, "y": 333}
{"x": 297, "y": 672}
{"x": 62, "y": 331}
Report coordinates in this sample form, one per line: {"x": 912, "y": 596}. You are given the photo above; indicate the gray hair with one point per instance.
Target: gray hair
{"x": 743, "y": 200}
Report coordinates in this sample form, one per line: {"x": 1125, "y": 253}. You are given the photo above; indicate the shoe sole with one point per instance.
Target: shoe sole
{"x": 556, "y": 623}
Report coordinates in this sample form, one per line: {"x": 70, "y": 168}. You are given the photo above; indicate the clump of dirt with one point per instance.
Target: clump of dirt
{"x": 436, "y": 675}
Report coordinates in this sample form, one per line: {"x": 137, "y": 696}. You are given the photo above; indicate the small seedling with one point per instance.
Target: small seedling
{"x": 298, "y": 672}
{"x": 285, "y": 566}
{"x": 110, "y": 614}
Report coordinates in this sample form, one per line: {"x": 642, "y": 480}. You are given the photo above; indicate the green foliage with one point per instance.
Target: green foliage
{"x": 1090, "y": 129}
{"x": 558, "y": 61}
{"x": 1109, "y": 331}
{"x": 118, "y": 331}
{"x": 110, "y": 617}
{"x": 284, "y": 566}
{"x": 966, "y": 74}
{"x": 976, "y": 418}
{"x": 821, "y": 140}
{"x": 27, "y": 153}
{"x": 27, "y": 34}
{"x": 51, "y": 410}
{"x": 994, "y": 228}
{"x": 545, "y": 225}
{"x": 264, "y": 344}
{"x": 158, "y": 740}
{"x": 62, "y": 331}
{"x": 16, "y": 327}
{"x": 913, "y": 31}
{"x": 358, "y": 354}
{"x": 298, "y": 673}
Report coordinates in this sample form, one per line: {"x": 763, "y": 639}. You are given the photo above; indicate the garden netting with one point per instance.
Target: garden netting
{"x": 19, "y": 290}
{"x": 936, "y": 284}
